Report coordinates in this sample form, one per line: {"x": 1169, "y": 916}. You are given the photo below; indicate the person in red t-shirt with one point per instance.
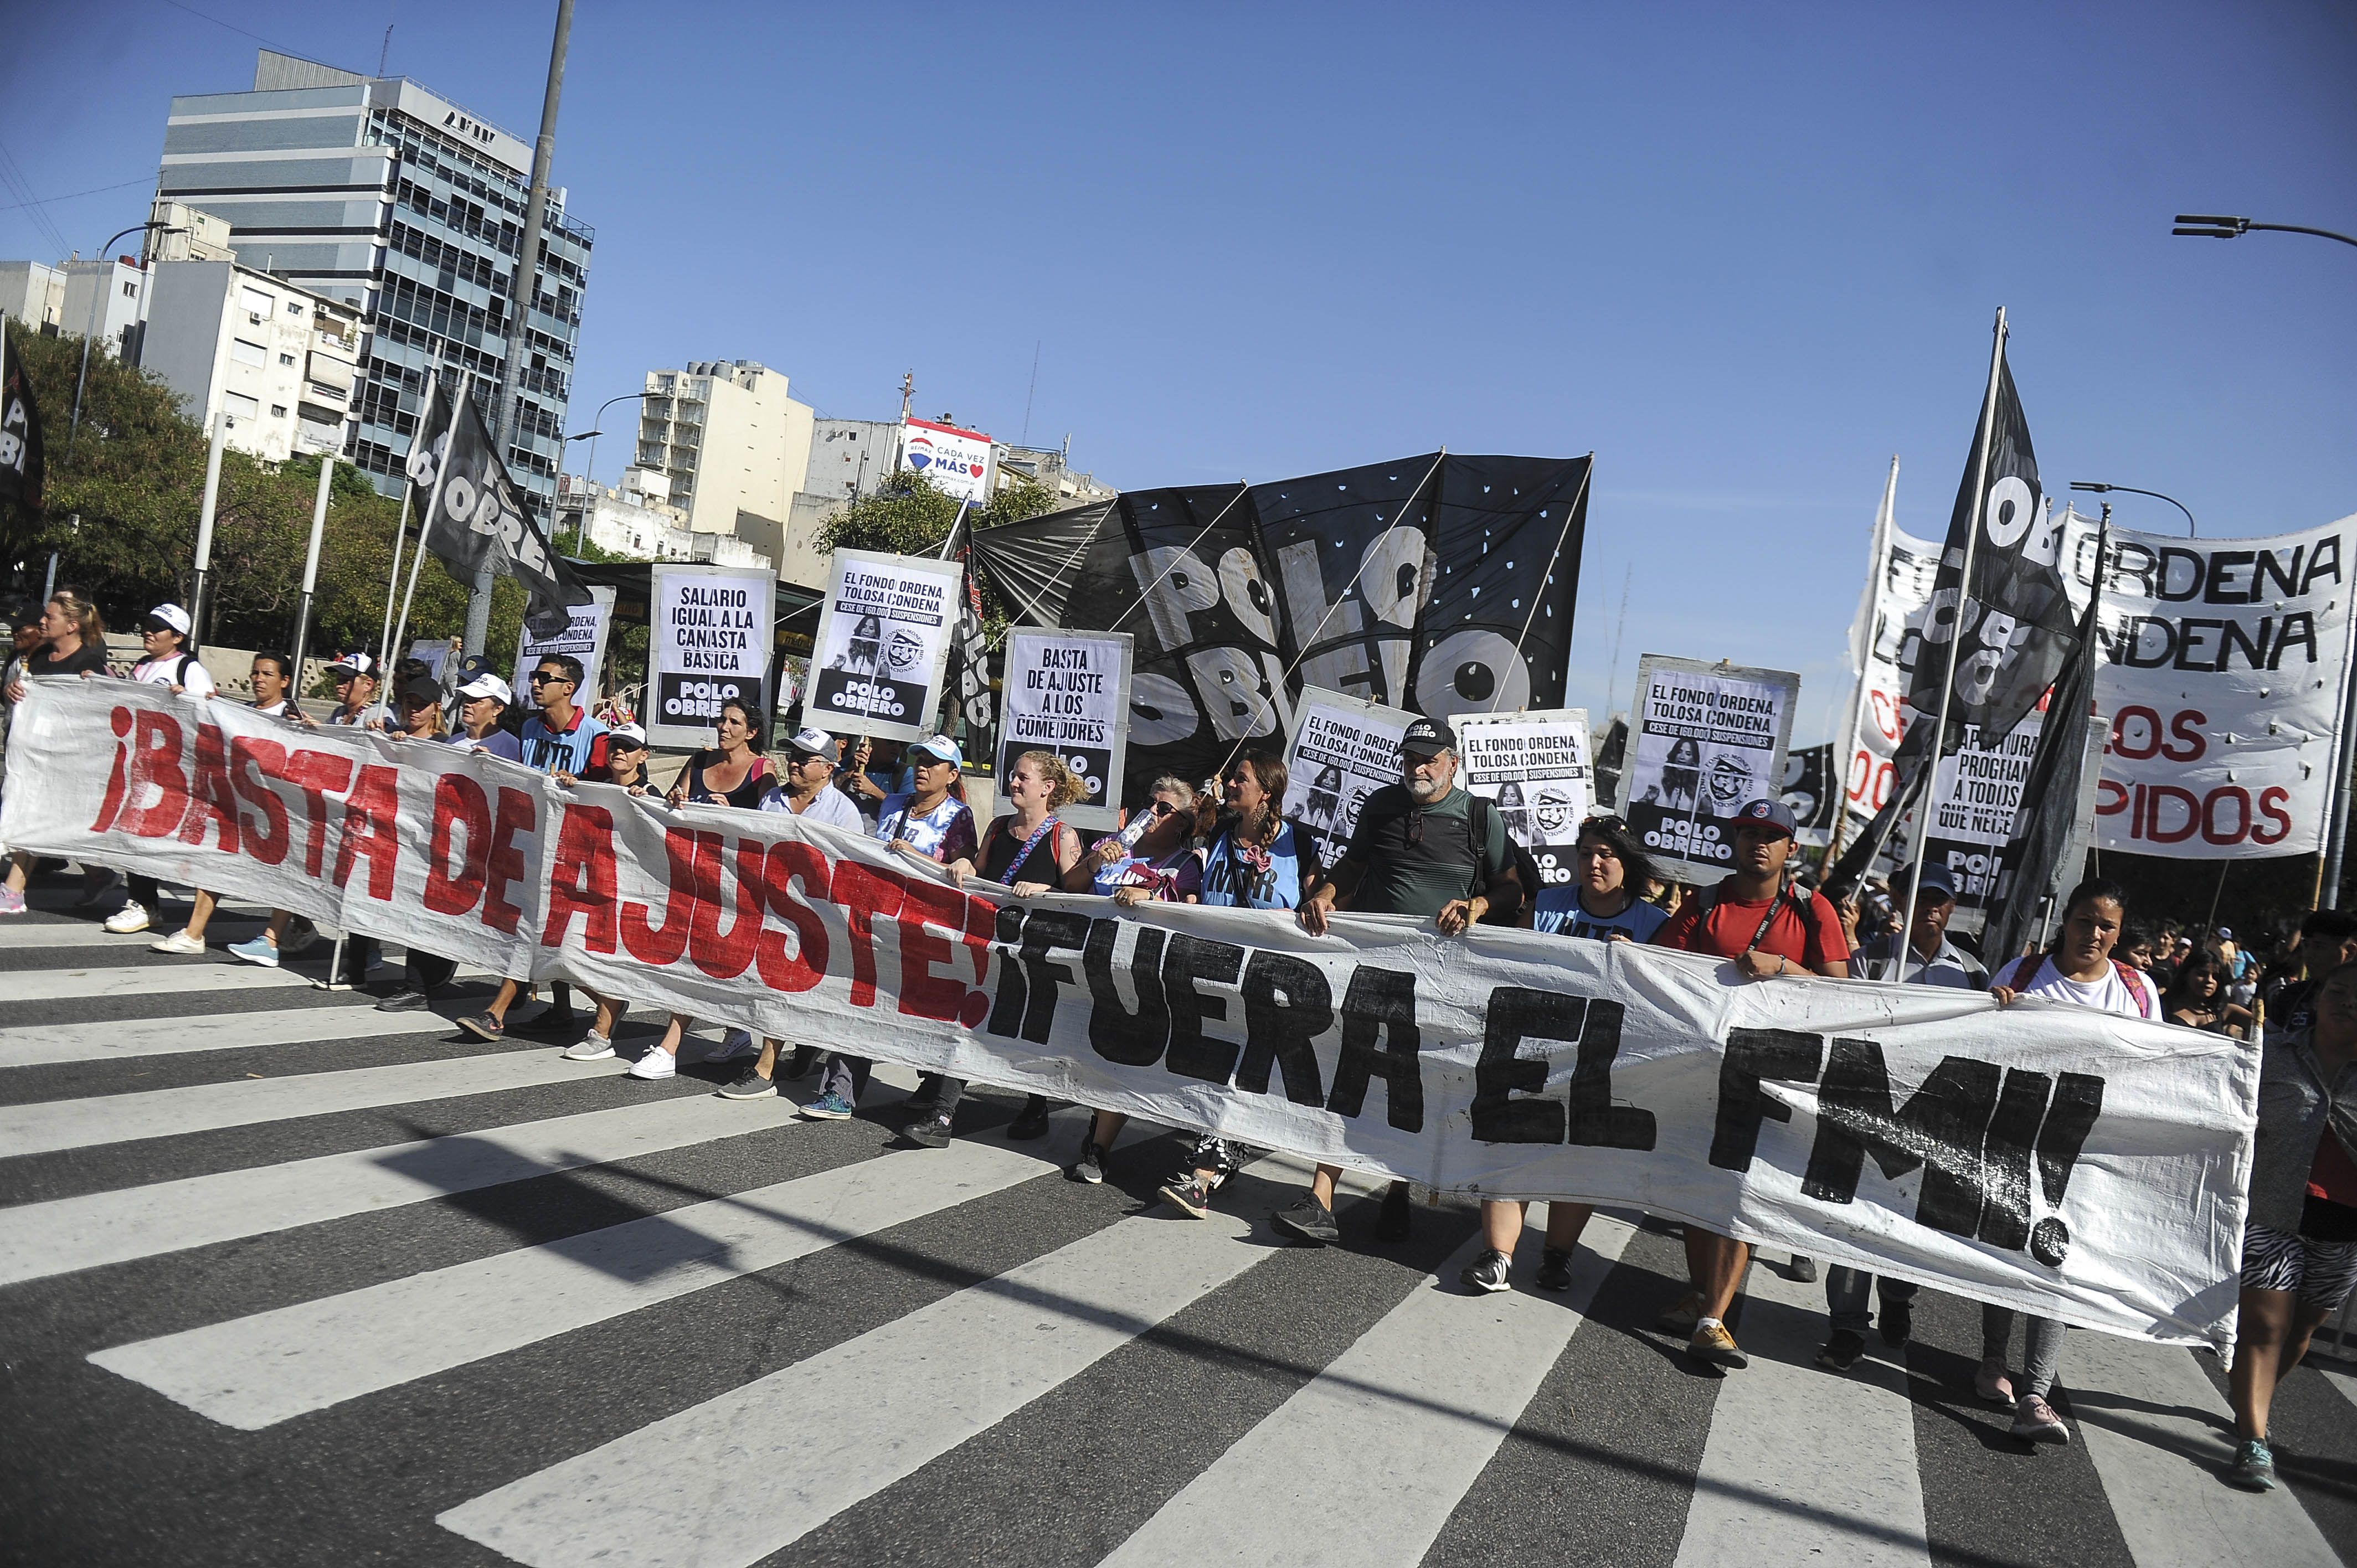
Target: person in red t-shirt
{"x": 1768, "y": 930}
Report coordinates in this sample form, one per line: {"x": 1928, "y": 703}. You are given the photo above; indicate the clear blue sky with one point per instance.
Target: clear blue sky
{"x": 1746, "y": 254}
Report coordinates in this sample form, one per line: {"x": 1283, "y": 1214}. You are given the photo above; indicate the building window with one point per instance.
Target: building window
{"x": 130, "y": 291}
{"x": 286, "y": 359}
{"x": 277, "y": 411}
{"x": 237, "y": 405}
{"x": 293, "y": 308}
{"x": 246, "y": 353}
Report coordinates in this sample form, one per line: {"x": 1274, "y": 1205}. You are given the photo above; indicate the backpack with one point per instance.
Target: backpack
{"x": 1478, "y": 810}
{"x": 1707, "y": 900}
{"x": 2025, "y": 970}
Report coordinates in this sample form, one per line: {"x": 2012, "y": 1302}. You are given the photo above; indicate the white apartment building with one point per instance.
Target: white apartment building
{"x": 34, "y": 293}
{"x": 105, "y": 299}
{"x": 735, "y": 446}
{"x": 635, "y": 518}
{"x": 279, "y": 360}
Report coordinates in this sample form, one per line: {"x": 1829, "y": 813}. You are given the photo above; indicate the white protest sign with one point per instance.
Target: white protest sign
{"x": 1704, "y": 739}
{"x": 1536, "y": 767}
{"x": 1068, "y": 692}
{"x": 883, "y": 644}
{"x": 1975, "y": 795}
{"x": 2223, "y": 665}
{"x": 712, "y": 632}
{"x": 1342, "y": 751}
{"x": 583, "y": 638}
{"x": 1907, "y": 571}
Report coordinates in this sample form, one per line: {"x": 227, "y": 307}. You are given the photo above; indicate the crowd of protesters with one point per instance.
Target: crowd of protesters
{"x": 1423, "y": 847}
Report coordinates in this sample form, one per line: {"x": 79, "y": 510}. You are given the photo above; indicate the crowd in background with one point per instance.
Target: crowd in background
{"x": 1423, "y": 847}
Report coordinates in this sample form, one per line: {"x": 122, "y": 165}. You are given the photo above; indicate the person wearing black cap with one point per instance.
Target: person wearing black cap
{"x": 1422, "y": 847}
{"x": 1930, "y": 957}
{"x": 1767, "y": 928}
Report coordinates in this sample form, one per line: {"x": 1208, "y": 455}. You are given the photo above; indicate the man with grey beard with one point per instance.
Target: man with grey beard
{"x": 1423, "y": 847}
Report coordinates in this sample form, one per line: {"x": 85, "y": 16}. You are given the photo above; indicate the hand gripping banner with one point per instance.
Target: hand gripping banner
{"x": 2049, "y": 1159}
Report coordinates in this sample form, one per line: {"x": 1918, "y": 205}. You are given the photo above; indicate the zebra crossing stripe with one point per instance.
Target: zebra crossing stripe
{"x": 254, "y": 1372}
{"x": 725, "y": 1483}
{"x": 2159, "y": 1453}
{"x": 44, "y": 1045}
{"x": 96, "y": 982}
{"x": 21, "y": 936}
{"x": 67, "y": 1234}
{"x": 1378, "y": 1449}
{"x": 1804, "y": 1467}
{"x": 46, "y": 1127}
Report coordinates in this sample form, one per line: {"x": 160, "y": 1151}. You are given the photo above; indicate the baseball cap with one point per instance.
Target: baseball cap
{"x": 2225, "y": 933}
{"x": 1428, "y": 737}
{"x": 1936, "y": 880}
{"x": 812, "y": 743}
{"x": 354, "y": 664}
{"x": 1768, "y": 813}
{"x": 172, "y": 616}
{"x": 940, "y": 748}
{"x": 631, "y": 735}
{"x": 486, "y": 684}
{"x": 421, "y": 689}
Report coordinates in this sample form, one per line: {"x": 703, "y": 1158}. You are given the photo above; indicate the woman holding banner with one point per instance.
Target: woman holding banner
{"x": 2299, "y": 1243}
{"x": 74, "y": 643}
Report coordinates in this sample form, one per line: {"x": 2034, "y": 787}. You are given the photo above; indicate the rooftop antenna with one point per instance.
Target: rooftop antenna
{"x": 386, "y": 52}
{"x": 1025, "y": 439}
{"x": 908, "y": 390}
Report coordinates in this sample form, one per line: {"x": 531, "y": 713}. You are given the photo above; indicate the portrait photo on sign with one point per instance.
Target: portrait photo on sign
{"x": 1538, "y": 769}
{"x": 1706, "y": 738}
{"x": 1346, "y": 749}
{"x": 883, "y": 645}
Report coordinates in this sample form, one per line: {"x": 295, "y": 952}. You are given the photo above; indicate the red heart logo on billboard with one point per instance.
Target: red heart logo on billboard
{"x": 977, "y": 469}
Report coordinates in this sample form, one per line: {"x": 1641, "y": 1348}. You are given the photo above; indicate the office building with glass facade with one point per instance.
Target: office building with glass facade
{"x": 381, "y": 193}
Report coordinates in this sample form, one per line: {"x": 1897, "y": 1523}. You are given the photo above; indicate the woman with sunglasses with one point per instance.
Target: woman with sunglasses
{"x": 1152, "y": 860}
{"x": 1599, "y": 902}
{"x": 731, "y": 773}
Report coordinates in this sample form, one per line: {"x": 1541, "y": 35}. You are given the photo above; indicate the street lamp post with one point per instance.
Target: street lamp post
{"x": 2191, "y": 530}
{"x": 2216, "y": 225}
{"x": 97, "y": 292}
{"x": 597, "y": 422}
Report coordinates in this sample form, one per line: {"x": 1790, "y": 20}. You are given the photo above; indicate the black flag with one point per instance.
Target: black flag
{"x": 21, "y": 462}
{"x": 2017, "y": 629}
{"x": 480, "y": 520}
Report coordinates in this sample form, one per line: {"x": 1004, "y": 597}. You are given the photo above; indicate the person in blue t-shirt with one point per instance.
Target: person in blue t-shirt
{"x": 1600, "y": 902}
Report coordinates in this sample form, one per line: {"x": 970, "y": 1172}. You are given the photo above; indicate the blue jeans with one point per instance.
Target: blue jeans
{"x": 1845, "y": 1293}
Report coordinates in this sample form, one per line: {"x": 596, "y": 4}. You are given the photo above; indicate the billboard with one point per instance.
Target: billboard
{"x": 956, "y": 461}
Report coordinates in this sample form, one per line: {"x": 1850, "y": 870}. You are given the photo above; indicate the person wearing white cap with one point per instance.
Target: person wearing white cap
{"x": 483, "y": 702}
{"x": 164, "y": 635}
{"x": 356, "y": 685}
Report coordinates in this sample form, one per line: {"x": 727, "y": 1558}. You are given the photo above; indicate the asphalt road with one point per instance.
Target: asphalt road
{"x": 287, "y": 1281}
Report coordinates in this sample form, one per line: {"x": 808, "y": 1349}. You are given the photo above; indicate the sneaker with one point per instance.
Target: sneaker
{"x": 549, "y": 1021}
{"x": 797, "y": 1066}
{"x": 180, "y": 943}
{"x": 828, "y": 1107}
{"x": 655, "y": 1064}
{"x": 95, "y": 885}
{"x": 1492, "y": 1271}
{"x": 256, "y": 950}
{"x": 11, "y": 901}
{"x": 1554, "y": 1269}
{"x": 1308, "y": 1220}
{"x": 1681, "y": 1319}
{"x": 2034, "y": 1421}
{"x": 734, "y": 1044}
{"x": 483, "y": 1027}
{"x": 404, "y": 1001}
{"x": 1031, "y": 1122}
{"x": 1390, "y": 1225}
{"x": 2253, "y": 1469}
{"x": 1842, "y": 1351}
{"x": 592, "y": 1047}
{"x": 746, "y": 1085}
{"x": 929, "y": 1132}
{"x": 1713, "y": 1343}
{"x": 1189, "y": 1192}
{"x": 1804, "y": 1269}
{"x": 1896, "y": 1322}
{"x": 1993, "y": 1383}
{"x": 1090, "y": 1166}
{"x": 299, "y": 938}
{"x": 131, "y": 917}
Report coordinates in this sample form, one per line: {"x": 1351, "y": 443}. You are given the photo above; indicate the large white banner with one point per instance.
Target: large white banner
{"x": 956, "y": 461}
{"x": 1068, "y": 692}
{"x": 714, "y": 630}
{"x": 1888, "y": 633}
{"x": 1343, "y": 750}
{"x": 2049, "y": 1158}
{"x": 1704, "y": 739}
{"x": 2223, "y": 664}
{"x": 883, "y": 644}
{"x": 1538, "y": 769}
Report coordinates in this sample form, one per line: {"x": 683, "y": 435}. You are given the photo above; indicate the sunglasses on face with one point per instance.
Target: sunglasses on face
{"x": 544, "y": 677}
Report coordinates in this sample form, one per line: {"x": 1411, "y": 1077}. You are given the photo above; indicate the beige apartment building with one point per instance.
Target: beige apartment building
{"x": 734, "y": 445}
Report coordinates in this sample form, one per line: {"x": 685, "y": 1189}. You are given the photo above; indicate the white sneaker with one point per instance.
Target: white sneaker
{"x": 131, "y": 917}
{"x": 180, "y": 942}
{"x": 591, "y": 1048}
{"x": 655, "y": 1064}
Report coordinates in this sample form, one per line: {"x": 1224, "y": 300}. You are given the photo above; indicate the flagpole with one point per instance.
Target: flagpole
{"x": 1955, "y": 638}
{"x": 2328, "y": 870}
{"x": 311, "y": 569}
{"x": 433, "y": 506}
{"x": 1877, "y": 566}
{"x": 401, "y": 529}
